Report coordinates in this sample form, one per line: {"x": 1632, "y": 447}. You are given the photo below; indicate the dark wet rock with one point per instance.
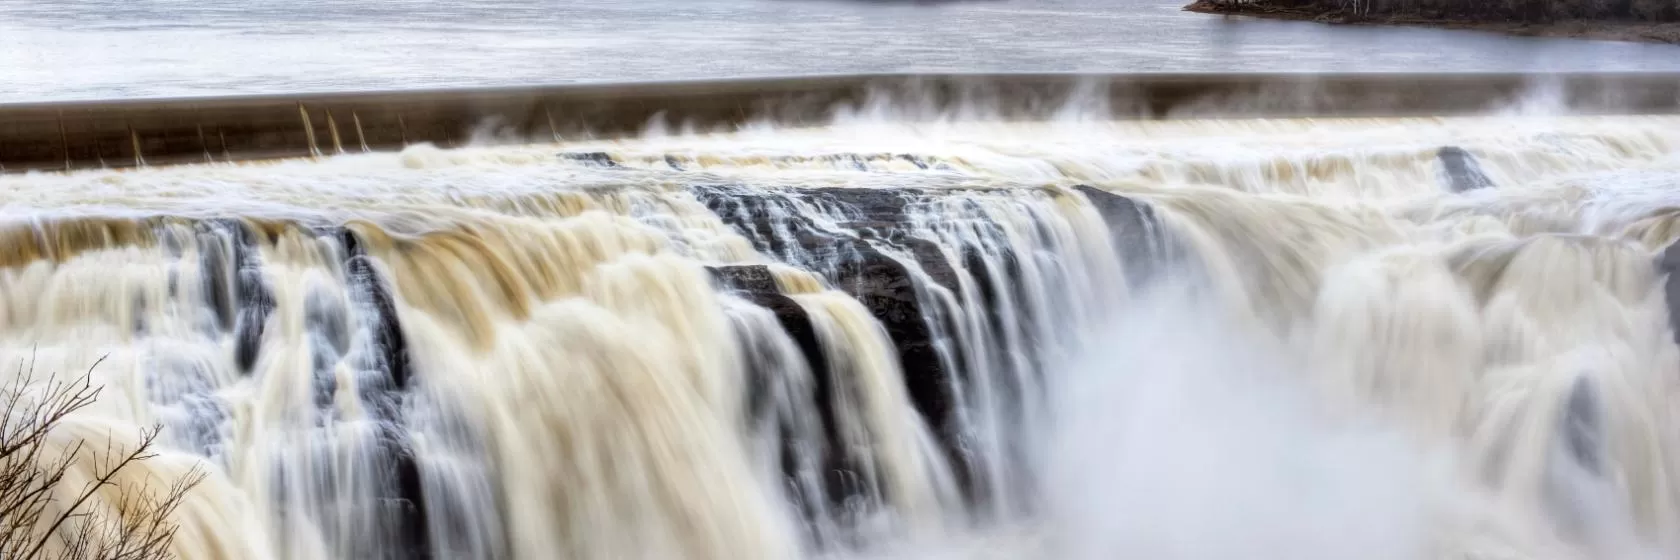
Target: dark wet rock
{"x": 387, "y": 332}
{"x": 853, "y": 161}
{"x": 1146, "y": 248}
{"x": 747, "y": 278}
{"x": 1582, "y": 428}
{"x": 324, "y": 377}
{"x": 325, "y": 315}
{"x": 919, "y": 161}
{"x": 241, "y": 301}
{"x": 248, "y": 331}
{"x": 451, "y": 516}
{"x": 326, "y": 325}
{"x": 218, "y": 268}
{"x": 172, "y": 285}
{"x": 868, "y": 207}
{"x": 404, "y": 502}
{"x": 240, "y": 238}
{"x": 172, "y": 241}
{"x": 860, "y": 162}
{"x": 851, "y": 261}
{"x": 1669, "y": 264}
{"x": 881, "y": 216}
{"x": 372, "y": 295}
{"x": 797, "y": 324}
{"x": 384, "y": 376}
{"x": 887, "y": 289}
{"x": 599, "y": 159}
{"x": 1463, "y": 172}
{"x": 235, "y": 288}
{"x": 206, "y": 414}
{"x": 140, "y": 324}
{"x": 932, "y": 261}
{"x": 190, "y": 388}
{"x": 255, "y": 304}
{"x": 998, "y": 284}
{"x": 762, "y": 362}
{"x": 944, "y": 303}
{"x": 830, "y": 461}
{"x": 776, "y": 224}
{"x": 351, "y": 244}
{"x": 365, "y": 505}
{"x": 881, "y": 283}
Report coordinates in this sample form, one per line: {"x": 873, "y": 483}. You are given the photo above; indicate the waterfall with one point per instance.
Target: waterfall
{"x": 874, "y": 340}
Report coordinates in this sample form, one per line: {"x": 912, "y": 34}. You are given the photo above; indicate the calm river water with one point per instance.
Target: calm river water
{"x": 80, "y": 49}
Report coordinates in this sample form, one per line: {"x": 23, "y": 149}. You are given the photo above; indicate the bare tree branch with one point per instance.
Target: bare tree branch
{"x": 137, "y": 526}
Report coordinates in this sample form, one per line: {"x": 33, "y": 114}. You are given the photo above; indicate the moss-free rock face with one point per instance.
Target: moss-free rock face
{"x": 846, "y": 254}
{"x": 1463, "y": 172}
{"x": 931, "y": 295}
{"x": 1669, "y": 263}
{"x": 749, "y": 278}
{"x": 1145, "y": 247}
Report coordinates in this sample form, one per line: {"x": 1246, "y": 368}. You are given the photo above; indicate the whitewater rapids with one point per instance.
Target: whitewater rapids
{"x": 1298, "y": 338}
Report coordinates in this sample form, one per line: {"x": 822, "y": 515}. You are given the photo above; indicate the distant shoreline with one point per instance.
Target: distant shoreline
{"x": 1628, "y": 31}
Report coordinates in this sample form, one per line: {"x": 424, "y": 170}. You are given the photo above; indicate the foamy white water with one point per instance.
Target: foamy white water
{"x": 1276, "y": 338}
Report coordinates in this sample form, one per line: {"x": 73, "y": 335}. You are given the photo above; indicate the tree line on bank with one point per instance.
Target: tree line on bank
{"x": 1483, "y": 10}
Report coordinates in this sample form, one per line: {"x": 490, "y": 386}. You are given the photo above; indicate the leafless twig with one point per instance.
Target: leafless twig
{"x": 136, "y": 526}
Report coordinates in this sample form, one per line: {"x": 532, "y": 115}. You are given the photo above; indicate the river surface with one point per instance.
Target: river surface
{"x": 94, "y": 49}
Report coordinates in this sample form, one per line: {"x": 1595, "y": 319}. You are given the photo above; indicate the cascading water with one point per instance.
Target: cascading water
{"x": 1076, "y": 340}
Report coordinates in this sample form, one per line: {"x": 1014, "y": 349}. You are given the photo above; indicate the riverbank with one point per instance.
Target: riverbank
{"x": 1629, "y": 31}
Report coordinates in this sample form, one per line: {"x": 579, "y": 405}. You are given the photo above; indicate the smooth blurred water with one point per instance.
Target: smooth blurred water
{"x": 80, "y": 49}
